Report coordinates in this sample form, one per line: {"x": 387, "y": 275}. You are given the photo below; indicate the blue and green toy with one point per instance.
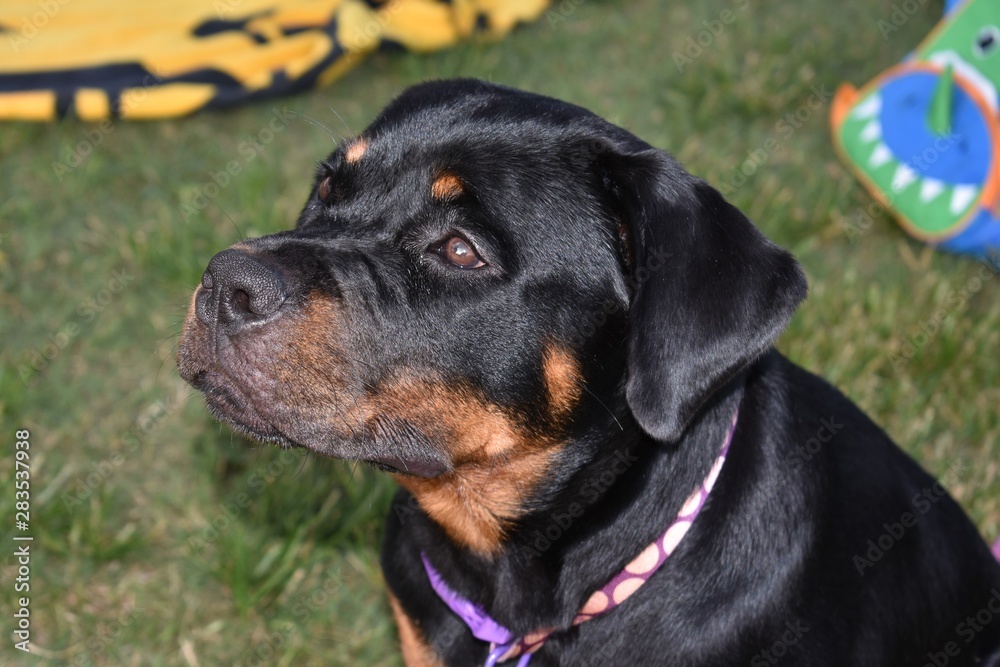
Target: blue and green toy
{"x": 924, "y": 136}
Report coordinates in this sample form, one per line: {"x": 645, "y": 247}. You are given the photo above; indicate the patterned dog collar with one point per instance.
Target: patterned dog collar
{"x": 503, "y": 644}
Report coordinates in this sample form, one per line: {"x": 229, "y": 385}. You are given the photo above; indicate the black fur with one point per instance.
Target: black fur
{"x": 673, "y": 323}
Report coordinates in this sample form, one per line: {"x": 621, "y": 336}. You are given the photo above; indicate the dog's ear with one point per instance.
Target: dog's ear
{"x": 710, "y": 293}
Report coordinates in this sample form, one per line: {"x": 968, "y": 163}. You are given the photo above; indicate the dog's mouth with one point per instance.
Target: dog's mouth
{"x": 233, "y": 407}
{"x": 230, "y": 404}
{"x": 411, "y": 467}
{"x": 291, "y": 382}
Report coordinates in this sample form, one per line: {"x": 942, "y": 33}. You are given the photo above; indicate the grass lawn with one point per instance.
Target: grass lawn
{"x": 163, "y": 539}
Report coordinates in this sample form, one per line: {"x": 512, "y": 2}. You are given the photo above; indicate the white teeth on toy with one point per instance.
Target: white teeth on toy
{"x": 902, "y": 178}
{"x": 872, "y": 131}
{"x": 961, "y": 198}
{"x": 869, "y": 107}
{"x": 880, "y": 156}
{"x": 930, "y": 188}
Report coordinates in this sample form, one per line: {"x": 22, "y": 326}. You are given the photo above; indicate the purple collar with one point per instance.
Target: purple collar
{"x": 503, "y": 644}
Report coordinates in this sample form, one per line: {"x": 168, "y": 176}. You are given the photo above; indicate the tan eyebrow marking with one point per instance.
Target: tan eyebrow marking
{"x": 446, "y": 186}
{"x": 356, "y": 151}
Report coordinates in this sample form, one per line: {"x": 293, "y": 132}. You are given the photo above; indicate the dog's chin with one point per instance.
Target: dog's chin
{"x": 227, "y": 403}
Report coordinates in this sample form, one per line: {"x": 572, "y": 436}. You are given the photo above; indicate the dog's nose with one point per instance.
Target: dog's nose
{"x": 238, "y": 290}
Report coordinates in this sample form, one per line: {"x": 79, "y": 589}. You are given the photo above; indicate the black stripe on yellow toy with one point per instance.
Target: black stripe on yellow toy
{"x": 98, "y": 59}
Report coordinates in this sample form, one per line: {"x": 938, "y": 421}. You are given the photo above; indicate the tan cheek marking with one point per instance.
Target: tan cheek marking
{"x": 308, "y": 343}
{"x": 471, "y": 427}
{"x": 496, "y": 463}
{"x": 563, "y": 381}
{"x": 295, "y": 371}
{"x": 416, "y": 652}
{"x": 446, "y": 186}
{"x": 309, "y": 367}
{"x": 356, "y": 151}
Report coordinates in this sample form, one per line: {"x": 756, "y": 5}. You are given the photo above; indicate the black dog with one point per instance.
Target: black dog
{"x": 544, "y": 328}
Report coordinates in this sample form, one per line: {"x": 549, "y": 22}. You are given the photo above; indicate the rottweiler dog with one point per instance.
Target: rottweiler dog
{"x": 560, "y": 344}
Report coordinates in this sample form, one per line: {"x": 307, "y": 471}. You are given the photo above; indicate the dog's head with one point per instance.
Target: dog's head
{"x": 475, "y": 280}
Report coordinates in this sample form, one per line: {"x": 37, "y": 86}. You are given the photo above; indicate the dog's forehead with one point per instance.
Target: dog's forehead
{"x": 502, "y": 167}
{"x": 431, "y": 149}
{"x": 449, "y": 105}
{"x": 468, "y": 121}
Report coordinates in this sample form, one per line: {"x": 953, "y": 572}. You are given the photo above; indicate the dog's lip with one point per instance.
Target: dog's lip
{"x": 404, "y": 466}
{"x": 412, "y": 468}
{"x": 229, "y": 405}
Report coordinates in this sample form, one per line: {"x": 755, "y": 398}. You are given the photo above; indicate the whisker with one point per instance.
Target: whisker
{"x": 587, "y": 389}
{"x": 342, "y": 121}
{"x": 320, "y": 125}
{"x": 237, "y": 227}
{"x": 301, "y": 466}
{"x": 173, "y": 348}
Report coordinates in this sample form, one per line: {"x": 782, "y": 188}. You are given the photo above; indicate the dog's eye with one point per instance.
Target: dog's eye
{"x": 460, "y": 253}
{"x": 325, "y": 188}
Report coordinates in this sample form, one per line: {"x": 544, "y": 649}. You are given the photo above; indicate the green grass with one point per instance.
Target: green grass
{"x": 163, "y": 539}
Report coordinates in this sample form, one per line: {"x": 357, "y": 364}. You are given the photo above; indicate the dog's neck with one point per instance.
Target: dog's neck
{"x": 604, "y": 502}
